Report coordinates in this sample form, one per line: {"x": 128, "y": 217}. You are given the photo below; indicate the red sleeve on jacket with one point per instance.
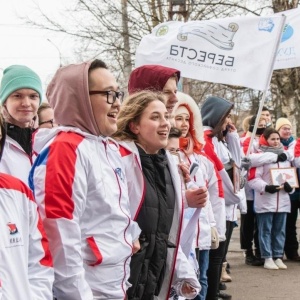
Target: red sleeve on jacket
{"x": 245, "y": 145}
{"x": 251, "y": 174}
{"x": 297, "y": 148}
{"x": 60, "y": 174}
{"x": 10, "y": 182}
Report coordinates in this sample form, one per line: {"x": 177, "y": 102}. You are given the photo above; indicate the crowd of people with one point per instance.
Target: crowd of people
{"x": 137, "y": 199}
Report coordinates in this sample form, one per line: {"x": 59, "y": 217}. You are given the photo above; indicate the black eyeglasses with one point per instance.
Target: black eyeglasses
{"x": 45, "y": 122}
{"x": 111, "y": 96}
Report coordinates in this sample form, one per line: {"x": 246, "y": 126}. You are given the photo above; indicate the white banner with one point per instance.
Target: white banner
{"x": 237, "y": 51}
{"x": 288, "y": 54}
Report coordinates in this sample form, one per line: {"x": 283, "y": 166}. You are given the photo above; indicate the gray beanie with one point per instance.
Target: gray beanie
{"x": 214, "y": 109}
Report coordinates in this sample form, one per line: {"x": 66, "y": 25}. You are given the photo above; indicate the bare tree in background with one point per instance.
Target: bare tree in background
{"x": 285, "y": 85}
{"x": 112, "y": 30}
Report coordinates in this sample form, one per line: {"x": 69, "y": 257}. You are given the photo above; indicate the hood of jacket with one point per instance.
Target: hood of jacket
{"x": 195, "y": 130}
{"x": 43, "y": 136}
{"x": 68, "y": 95}
{"x": 262, "y": 141}
{"x": 150, "y": 77}
{"x": 214, "y": 109}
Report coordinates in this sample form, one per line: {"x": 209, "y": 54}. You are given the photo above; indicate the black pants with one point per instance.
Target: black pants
{"x": 216, "y": 257}
{"x": 229, "y": 228}
{"x": 291, "y": 241}
{"x": 248, "y": 229}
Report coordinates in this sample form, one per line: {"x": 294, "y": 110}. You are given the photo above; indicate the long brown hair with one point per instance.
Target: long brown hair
{"x": 3, "y": 135}
{"x": 217, "y": 131}
{"x": 131, "y": 111}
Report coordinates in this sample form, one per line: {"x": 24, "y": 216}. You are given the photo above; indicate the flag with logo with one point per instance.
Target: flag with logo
{"x": 288, "y": 54}
{"x": 236, "y": 51}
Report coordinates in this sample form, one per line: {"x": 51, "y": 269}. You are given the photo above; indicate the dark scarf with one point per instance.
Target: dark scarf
{"x": 21, "y": 136}
{"x": 287, "y": 142}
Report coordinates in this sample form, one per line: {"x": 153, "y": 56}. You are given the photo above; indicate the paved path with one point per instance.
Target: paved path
{"x": 257, "y": 283}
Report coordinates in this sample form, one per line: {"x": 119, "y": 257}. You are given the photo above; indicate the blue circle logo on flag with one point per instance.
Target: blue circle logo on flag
{"x": 287, "y": 33}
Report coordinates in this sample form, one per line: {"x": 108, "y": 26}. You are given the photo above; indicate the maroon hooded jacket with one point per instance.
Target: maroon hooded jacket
{"x": 150, "y": 77}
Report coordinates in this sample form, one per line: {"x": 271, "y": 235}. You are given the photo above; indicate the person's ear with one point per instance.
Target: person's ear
{"x": 4, "y": 111}
{"x": 133, "y": 127}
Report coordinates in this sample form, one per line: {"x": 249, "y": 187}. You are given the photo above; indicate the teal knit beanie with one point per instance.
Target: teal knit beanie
{"x": 19, "y": 77}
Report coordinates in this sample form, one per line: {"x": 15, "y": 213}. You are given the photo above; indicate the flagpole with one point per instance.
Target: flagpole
{"x": 265, "y": 91}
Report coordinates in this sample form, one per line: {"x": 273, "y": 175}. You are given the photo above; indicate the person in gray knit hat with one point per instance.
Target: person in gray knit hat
{"x": 20, "y": 97}
{"x": 223, "y": 147}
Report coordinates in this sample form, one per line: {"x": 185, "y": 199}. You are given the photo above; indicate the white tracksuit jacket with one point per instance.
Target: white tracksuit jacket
{"x": 257, "y": 159}
{"x": 81, "y": 189}
{"x": 214, "y": 148}
{"x": 213, "y": 214}
{"x": 265, "y": 202}
{"x": 26, "y": 270}
{"x": 15, "y": 161}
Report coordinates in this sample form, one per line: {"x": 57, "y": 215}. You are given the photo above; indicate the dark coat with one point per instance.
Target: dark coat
{"x": 155, "y": 220}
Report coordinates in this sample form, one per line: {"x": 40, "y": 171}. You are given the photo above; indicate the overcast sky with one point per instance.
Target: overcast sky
{"x": 21, "y": 44}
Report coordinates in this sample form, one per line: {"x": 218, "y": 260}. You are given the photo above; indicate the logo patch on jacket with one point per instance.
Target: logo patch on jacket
{"x": 14, "y": 238}
{"x": 120, "y": 173}
{"x": 12, "y": 228}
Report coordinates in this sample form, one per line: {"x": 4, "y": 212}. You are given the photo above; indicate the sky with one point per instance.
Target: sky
{"x": 21, "y": 44}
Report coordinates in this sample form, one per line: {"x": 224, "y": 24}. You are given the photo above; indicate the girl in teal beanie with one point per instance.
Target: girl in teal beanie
{"x": 20, "y": 97}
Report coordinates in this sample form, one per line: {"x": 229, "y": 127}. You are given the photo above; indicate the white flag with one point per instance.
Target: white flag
{"x": 237, "y": 51}
{"x": 288, "y": 54}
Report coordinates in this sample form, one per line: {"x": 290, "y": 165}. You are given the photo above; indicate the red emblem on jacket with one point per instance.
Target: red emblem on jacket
{"x": 12, "y": 228}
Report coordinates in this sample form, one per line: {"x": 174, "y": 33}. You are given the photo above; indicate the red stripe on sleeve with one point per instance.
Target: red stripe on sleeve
{"x": 60, "y": 173}
{"x": 297, "y": 148}
{"x": 12, "y": 183}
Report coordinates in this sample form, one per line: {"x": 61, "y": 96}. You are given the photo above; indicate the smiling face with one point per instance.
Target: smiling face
{"x": 21, "y": 106}
{"x": 170, "y": 90}
{"x": 266, "y": 114}
{"x": 105, "y": 114}
{"x": 285, "y": 132}
{"x": 153, "y": 128}
{"x": 274, "y": 140}
{"x": 182, "y": 123}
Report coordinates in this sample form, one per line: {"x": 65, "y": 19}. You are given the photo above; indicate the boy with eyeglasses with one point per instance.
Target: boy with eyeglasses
{"x": 45, "y": 116}
{"x": 80, "y": 186}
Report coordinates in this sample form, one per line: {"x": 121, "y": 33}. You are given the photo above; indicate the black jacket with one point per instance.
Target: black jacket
{"x": 147, "y": 267}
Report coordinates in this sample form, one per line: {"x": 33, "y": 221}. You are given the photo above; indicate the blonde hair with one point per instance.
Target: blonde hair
{"x": 43, "y": 106}
{"x": 246, "y": 123}
{"x": 131, "y": 110}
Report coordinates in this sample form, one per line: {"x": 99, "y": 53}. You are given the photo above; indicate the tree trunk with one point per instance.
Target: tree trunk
{"x": 127, "y": 54}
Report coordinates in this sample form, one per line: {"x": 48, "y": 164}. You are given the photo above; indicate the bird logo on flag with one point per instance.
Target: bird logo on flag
{"x": 214, "y": 33}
